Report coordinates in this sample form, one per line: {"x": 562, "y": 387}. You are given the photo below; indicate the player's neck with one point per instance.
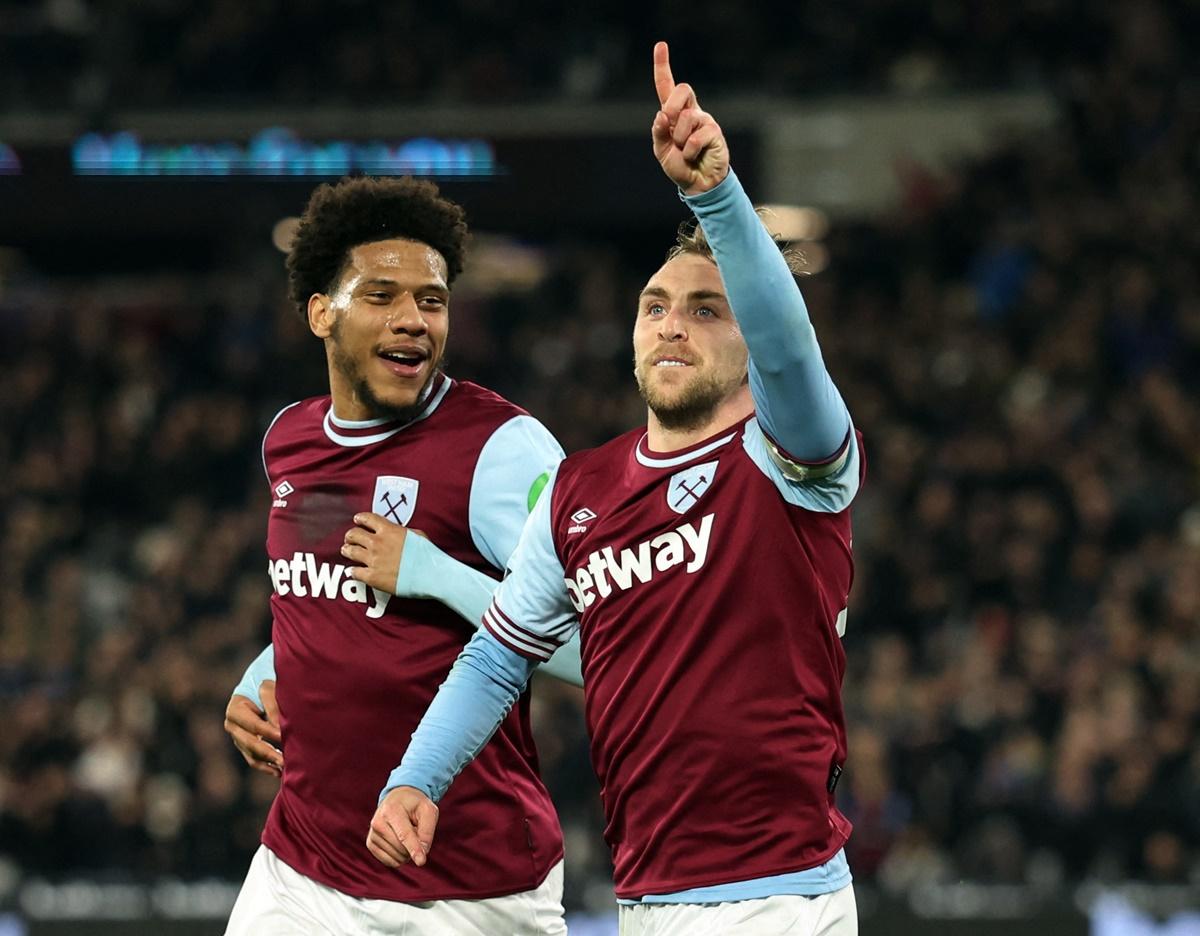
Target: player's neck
{"x": 729, "y": 413}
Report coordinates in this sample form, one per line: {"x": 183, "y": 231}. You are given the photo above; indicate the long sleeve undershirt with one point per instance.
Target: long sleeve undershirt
{"x": 796, "y": 402}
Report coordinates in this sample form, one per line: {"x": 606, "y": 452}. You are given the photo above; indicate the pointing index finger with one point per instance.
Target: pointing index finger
{"x": 664, "y": 83}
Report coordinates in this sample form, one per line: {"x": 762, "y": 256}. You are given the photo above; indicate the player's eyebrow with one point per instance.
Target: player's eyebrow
{"x": 395, "y": 284}
{"x": 696, "y": 295}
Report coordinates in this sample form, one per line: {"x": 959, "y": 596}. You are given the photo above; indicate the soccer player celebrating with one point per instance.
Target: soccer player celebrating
{"x": 705, "y": 562}
{"x": 359, "y": 645}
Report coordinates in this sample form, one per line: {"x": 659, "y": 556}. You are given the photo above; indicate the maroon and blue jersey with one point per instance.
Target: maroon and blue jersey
{"x": 357, "y": 667}
{"x": 709, "y": 592}
{"x": 709, "y": 588}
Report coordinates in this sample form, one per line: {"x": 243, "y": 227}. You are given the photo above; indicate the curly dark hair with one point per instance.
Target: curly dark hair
{"x": 361, "y": 210}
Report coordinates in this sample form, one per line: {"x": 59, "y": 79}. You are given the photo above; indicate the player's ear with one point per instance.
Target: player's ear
{"x": 320, "y": 315}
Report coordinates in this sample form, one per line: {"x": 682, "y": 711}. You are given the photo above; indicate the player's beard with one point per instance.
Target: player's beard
{"x": 689, "y": 407}
{"x": 352, "y": 371}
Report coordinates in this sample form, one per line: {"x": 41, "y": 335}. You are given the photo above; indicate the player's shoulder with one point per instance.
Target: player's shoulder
{"x": 291, "y": 425}
{"x": 300, "y": 416}
{"x": 601, "y": 459}
{"x": 497, "y": 421}
{"x": 482, "y": 403}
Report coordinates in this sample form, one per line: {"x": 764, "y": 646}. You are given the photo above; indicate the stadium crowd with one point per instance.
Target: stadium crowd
{"x": 94, "y": 58}
{"x": 1019, "y": 343}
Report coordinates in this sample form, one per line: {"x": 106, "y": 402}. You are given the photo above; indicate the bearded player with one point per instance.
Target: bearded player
{"x": 705, "y": 562}
{"x": 368, "y": 620}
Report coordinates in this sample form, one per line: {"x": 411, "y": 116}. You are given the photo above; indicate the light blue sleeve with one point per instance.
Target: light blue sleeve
{"x": 513, "y": 466}
{"x": 532, "y": 611}
{"x": 427, "y": 572}
{"x": 795, "y": 400}
{"x": 530, "y": 614}
{"x": 260, "y": 668}
{"x": 830, "y": 493}
{"x": 511, "y": 476}
{"x": 485, "y": 681}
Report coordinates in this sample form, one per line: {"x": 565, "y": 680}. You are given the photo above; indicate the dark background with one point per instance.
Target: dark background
{"x": 1017, "y": 336}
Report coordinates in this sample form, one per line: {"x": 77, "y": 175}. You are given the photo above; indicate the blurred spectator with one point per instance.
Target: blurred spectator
{"x": 1023, "y": 355}
{"x": 76, "y": 54}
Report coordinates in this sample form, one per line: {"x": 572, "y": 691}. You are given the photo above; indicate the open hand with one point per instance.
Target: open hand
{"x": 255, "y": 732}
{"x": 688, "y": 143}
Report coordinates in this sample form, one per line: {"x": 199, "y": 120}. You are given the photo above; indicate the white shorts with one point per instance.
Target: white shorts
{"x": 827, "y": 915}
{"x": 276, "y": 900}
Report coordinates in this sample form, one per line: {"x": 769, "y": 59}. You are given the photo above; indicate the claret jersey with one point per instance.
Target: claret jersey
{"x": 358, "y": 667}
{"x": 709, "y": 590}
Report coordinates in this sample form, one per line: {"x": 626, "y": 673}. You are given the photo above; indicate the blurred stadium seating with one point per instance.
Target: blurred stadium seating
{"x": 1018, "y": 338}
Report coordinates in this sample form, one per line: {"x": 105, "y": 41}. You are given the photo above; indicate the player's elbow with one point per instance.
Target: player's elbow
{"x": 797, "y": 348}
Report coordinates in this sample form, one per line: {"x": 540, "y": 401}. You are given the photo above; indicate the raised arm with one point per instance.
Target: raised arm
{"x": 796, "y": 402}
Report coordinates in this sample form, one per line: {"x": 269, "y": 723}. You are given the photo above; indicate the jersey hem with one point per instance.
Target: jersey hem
{"x": 367, "y": 893}
{"x": 682, "y": 884}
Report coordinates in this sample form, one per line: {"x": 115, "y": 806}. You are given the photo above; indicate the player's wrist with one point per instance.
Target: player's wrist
{"x": 401, "y": 778}
{"x": 709, "y": 193}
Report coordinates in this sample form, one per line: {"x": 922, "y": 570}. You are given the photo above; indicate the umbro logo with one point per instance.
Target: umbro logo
{"x": 580, "y": 519}
{"x": 282, "y": 490}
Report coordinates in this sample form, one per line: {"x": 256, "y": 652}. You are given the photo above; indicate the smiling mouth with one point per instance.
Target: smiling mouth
{"x": 671, "y": 362}
{"x": 404, "y": 363}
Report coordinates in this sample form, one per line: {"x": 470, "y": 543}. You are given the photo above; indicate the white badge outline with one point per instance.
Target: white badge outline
{"x": 681, "y": 494}
{"x": 401, "y": 510}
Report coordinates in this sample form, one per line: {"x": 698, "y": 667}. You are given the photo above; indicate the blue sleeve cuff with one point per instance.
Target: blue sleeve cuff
{"x": 262, "y": 667}
{"x": 728, "y": 187}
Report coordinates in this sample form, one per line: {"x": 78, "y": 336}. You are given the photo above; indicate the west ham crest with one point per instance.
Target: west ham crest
{"x": 686, "y": 487}
{"x": 395, "y": 498}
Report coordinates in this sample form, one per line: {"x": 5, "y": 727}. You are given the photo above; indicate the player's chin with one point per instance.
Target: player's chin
{"x": 396, "y": 394}
{"x": 671, "y": 383}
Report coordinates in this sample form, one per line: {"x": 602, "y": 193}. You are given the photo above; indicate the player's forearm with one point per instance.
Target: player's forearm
{"x": 796, "y": 401}
{"x": 485, "y": 681}
{"x": 428, "y": 572}
{"x": 261, "y": 667}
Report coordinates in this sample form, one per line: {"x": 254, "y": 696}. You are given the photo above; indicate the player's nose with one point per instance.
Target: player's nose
{"x": 405, "y": 317}
{"x": 671, "y": 327}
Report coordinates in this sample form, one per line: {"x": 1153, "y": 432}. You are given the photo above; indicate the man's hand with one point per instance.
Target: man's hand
{"x": 256, "y": 732}
{"x": 688, "y": 143}
{"x": 403, "y": 827}
{"x": 377, "y": 545}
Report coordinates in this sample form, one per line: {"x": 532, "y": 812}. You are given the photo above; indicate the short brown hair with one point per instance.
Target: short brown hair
{"x": 690, "y": 239}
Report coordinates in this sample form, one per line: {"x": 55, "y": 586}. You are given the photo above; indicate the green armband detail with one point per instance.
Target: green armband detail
{"x": 535, "y": 489}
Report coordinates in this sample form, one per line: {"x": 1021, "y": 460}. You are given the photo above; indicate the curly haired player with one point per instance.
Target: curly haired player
{"x": 367, "y": 619}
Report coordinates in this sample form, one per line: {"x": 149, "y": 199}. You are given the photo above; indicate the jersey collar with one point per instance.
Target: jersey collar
{"x": 679, "y": 457}
{"x": 358, "y": 432}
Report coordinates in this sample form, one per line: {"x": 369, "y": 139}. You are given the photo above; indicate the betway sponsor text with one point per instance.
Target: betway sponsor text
{"x": 606, "y": 570}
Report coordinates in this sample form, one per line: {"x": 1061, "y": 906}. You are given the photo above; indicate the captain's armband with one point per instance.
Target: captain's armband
{"x": 803, "y": 472}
